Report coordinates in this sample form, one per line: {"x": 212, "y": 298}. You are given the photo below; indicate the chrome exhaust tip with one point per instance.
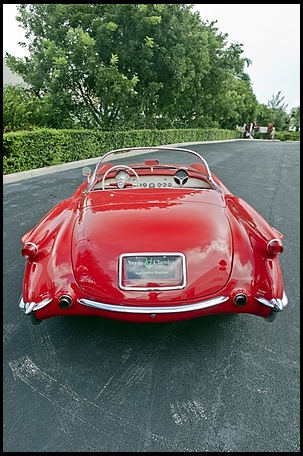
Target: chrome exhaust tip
{"x": 65, "y": 301}
{"x": 240, "y": 299}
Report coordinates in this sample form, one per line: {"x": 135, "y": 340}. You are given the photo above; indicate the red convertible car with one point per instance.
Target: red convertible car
{"x": 152, "y": 235}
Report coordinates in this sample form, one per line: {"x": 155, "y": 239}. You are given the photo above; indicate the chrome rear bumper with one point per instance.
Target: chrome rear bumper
{"x": 152, "y": 309}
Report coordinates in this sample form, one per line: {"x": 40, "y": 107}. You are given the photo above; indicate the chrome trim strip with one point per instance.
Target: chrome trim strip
{"x": 33, "y": 244}
{"x": 30, "y": 243}
{"x": 152, "y": 254}
{"x": 276, "y": 304}
{"x": 30, "y": 307}
{"x": 156, "y": 310}
{"x": 272, "y": 240}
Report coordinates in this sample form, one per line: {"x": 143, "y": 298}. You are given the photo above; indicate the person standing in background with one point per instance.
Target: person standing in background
{"x": 270, "y": 131}
{"x": 248, "y": 130}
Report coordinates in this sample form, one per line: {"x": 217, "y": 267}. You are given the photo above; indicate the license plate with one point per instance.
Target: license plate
{"x": 152, "y": 271}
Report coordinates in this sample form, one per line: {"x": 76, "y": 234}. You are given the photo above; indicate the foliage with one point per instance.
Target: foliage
{"x": 22, "y": 110}
{"x": 240, "y": 103}
{"x": 19, "y": 108}
{"x": 276, "y": 102}
{"x": 295, "y": 118}
{"x": 287, "y": 135}
{"x": 274, "y": 112}
{"x": 125, "y": 66}
{"x": 26, "y": 150}
{"x": 265, "y": 115}
{"x": 281, "y": 119}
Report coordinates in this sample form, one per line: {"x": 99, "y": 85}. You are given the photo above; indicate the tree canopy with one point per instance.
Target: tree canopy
{"x": 126, "y": 66}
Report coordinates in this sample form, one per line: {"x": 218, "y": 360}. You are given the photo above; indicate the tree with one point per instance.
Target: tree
{"x": 295, "y": 118}
{"x": 20, "y": 109}
{"x": 132, "y": 65}
{"x": 239, "y": 104}
{"x": 281, "y": 119}
{"x": 24, "y": 111}
{"x": 265, "y": 115}
{"x": 276, "y": 102}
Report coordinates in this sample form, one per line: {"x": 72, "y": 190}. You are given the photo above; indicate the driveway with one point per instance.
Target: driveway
{"x": 228, "y": 383}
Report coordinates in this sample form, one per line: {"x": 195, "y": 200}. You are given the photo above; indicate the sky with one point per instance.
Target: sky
{"x": 269, "y": 34}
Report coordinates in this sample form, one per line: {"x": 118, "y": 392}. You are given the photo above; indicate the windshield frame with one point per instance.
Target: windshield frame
{"x": 134, "y": 151}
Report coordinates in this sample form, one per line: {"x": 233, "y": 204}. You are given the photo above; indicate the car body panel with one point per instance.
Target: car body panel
{"x": 143, "y": 230}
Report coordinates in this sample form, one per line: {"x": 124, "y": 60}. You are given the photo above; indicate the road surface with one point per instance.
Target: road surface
{"x": 218, "y": 383}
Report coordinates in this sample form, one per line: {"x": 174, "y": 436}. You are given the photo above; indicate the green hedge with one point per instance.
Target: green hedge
{"x": 26, "y": 150}
{"x": 287, "y": 135}
{"x": 281, "y": 135}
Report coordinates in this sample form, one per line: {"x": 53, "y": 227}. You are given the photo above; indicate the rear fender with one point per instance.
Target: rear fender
{"x": 50, "y": 223}
{"x": 50, "y": 271}
{"x": 251, "y": 233}
{"x": 252, "y": 221}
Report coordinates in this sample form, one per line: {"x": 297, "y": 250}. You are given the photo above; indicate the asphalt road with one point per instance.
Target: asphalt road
{"x": 220, "y": 383}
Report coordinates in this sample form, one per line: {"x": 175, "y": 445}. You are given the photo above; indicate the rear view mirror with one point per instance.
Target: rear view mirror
{"x": 86, "y": 171}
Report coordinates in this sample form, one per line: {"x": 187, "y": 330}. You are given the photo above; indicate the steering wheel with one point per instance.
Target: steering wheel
{"x": 118, "y": 167}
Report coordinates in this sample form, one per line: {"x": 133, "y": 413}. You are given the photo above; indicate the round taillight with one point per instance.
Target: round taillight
{"x": 29, "y": 250}
{"x": 275, "y": 247}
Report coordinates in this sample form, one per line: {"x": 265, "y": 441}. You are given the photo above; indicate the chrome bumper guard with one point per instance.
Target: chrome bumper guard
{"x": 30, "y": 307}
{"x": 276, "y": 305}
{"x": 154, "y": 310}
